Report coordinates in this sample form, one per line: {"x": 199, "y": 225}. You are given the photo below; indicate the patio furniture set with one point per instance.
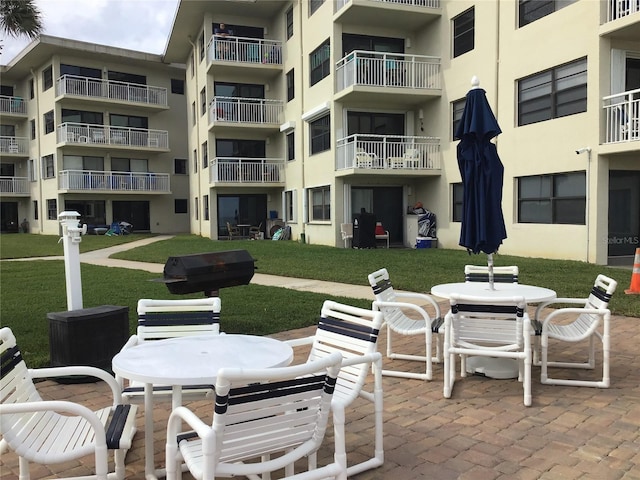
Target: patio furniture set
{"x": 268, "y": 414}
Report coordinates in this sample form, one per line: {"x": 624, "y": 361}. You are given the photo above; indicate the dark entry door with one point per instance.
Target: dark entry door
{"x": 9, "y": 217}
{"x": 136, "y": 213}
{"x": 624, "y": 212}
{"x": 386, "y": 205}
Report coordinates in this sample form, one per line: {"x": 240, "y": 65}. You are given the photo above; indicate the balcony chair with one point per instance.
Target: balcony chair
{"x": 254, "y": 232}
{"x": 161, "y": 319}
{"x": 381, "y": 233}
{"x": 585, "y": 324}
{"x": 411, "y": 158}
{"x": 346, "y": 231}
{"x": 258, "y": 413}
{"x": 480, "y": 273}
{"x": 353, "y": 332}
{"x": 499, "y": 327}
{"x": 394, "y": 307}
{"x": 364, "y": 159}
{"x": 234, "y": 232}
{"x": 54, "y": 432}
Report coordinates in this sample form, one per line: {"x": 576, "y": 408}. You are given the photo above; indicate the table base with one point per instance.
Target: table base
{"x": 492, "y": 367}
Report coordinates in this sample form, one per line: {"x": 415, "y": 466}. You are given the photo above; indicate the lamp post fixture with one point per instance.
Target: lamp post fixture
{"x": 71, "y": 238}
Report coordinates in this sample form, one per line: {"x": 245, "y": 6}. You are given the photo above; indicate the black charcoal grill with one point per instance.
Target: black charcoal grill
{"x": 208, "y": 272}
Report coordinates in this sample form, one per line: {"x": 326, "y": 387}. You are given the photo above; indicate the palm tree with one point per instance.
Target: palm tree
{"x": 20, "y": 17}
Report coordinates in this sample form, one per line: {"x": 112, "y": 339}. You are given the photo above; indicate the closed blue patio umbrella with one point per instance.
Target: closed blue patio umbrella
{"x": 482, "y": 174}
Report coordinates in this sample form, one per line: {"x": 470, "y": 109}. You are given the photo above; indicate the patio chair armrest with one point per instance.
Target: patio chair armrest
{"x": 421, "y": 296}
{"x": 132, "y": 342}
{"x": 298, "y": 342}
{"x": 372, "y": 358}
{"x": 53, "y": 372}
{"x": 579, "y": 311}
{"x": 574, "y": 301}
{"x": 412, "y": 306}
{"x": 184, "y": 414}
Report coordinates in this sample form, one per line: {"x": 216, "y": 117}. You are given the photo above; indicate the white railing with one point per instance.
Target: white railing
{"x": 414, "y": 3}
{"x": 246, "y": 170}
{"x": 375, "y": 69}
{"x": 14, "y": 185}
{"x": 245, "y": 110}
{"x": 12, "y": 104}
{"x": 622, "y": 117}
{"x": 19, "y": 145}
{"x": 621, "y": 8}
{"x": 244, "y": 50}
{"x": 113, "y": 181}
{"x": 388, "y": 152}
{"x": 99, "y": 88}
{"x": 82, "y": 133}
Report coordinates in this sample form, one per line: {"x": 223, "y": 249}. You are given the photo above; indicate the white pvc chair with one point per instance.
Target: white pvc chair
{"x": 162, "y": 319}
{"x": 52, "y": 432}
{"x": 259, "y": 413}
{"x": 585, "y": 325}
{"x": 480, "y": 273}
{"x": 353, "y": 332}
{"x": 499, "y": 327}
{"x": 393, "y": 306}
{"x": 346, "y": 231}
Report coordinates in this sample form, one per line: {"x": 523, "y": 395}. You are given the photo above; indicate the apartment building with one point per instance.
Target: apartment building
{"x": 93, "y": 129}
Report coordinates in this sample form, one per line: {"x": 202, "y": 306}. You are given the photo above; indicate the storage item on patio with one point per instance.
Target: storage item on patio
{"x": 54, "y": 432}
{"x": 364, "y": 230}
{"x": 394, "y": 310}
{"x": 587, "y": 322}
{"x": 426, "y": 242}
{"x": 162, "y": 319}
{"x": 208, "y": 272}
{"x": 259, "y": 413}
{"x": 353, "y": 332}
{"x": 87, "y": 336}
{"x": 480, "y": 273}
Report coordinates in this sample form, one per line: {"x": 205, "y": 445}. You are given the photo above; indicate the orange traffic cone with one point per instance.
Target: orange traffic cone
{"x": 634, "y": 288}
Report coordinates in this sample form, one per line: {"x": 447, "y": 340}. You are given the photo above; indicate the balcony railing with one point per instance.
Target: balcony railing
{"x": 247, "y": 170}
{"x": 621, "y": 8}
{"x": 244, "y": 50}
{"x": 12, "y": 105}
{"x": 246, "y": 110}
{"x": 375, "y": 152}
{"x": 112, "y": 90}
{"x": 14, "y": 185}
{"x": 375, "y": 69}
{"x": 414, "y": 3}
{"x": 19, "y": 145}
{"x": 113, "y": 181}
{"x": 622, "y": 117}
{"x": 81, "y": 133}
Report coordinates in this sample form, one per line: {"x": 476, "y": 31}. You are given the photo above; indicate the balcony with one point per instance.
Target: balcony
{"x": 623, "y": 20}
{"x": 237, "y": 55}
{"x": 113, "y": 182}
{"x": 388, "y": 77}
{"x": 14, "y": 146}
{"x": 108, "y": 90}
{"x": 247, "y": 171}
{"x": 622, "y": 118}
{"x": 246, "y": 112}
{"x": 118, "y": 137}
{"x": 409, "y": 14}
{"x": 14, "y": 186}
{"x": 388, "y": 155}
{"x": 13, "y": 107}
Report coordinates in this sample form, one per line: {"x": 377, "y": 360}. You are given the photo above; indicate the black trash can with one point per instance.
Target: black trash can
{"x": 364, "y": 231}
{"x": 87, "y": 336}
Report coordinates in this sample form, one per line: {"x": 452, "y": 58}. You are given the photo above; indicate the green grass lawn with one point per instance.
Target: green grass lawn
{"x": 30, "y": 290}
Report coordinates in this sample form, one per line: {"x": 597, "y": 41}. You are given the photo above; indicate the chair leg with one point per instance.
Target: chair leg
{"x": 603, "y": 383}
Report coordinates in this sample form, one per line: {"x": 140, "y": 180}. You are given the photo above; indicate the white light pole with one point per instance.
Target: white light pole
{"x": 71, "y": 238}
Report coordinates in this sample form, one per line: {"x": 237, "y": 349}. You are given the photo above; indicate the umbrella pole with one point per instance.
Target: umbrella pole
{"x": 490, "y": 264}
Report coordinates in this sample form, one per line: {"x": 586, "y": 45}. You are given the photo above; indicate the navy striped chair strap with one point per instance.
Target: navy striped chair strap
{"x": 353, "y": 330}
{"x": 167, "y": 388}
{"x": 497, "y": 277}
{"x": 381, "y": 286}
{"x": 601, "y": 294}
{"x": 164, "y": 319}
{"x": 116, "y": 425}
{"x": 10, "y": 358}
{"x": 482, "y": 308}
{"x": 436, "y": 324}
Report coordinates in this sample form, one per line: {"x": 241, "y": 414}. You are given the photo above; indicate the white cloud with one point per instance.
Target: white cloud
{"x": 135, "y": 24}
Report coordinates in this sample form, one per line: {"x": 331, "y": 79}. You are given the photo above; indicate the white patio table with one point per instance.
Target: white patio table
{"x": 489, "y": 366}
{"x": 192, "y": 360}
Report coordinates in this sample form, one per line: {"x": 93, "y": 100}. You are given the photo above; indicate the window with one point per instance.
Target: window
{"x": 78, "y": 162}
{"x": 32, "y": 128}
{"x": 180, "y": 205}
{"x": 201, "y": 46}
{"x": 457, "y": 109}
{"x": 194, "y": 117}
{"x": 320, "y": 134}
{"x": 47, "y": 119}
{"x": 457, "y": 192}
{"x": 48, "y": 167}
{"x": 127, "y": 77}
{"x": 82, "y": 116}
{"x": 80, "y": 71}
{"x": 290, "y": 206}
{"x": 553, "y": 199}
{"x": 35, "y": 209}
{"x": 320, "y": 202}
{"x": 180, "y": 166}
{"x": 291, "y": 147}
{"x": 554, "y": 93}
{"x": 131, "y": 121}
{"x": 121, "y": 164}
{"x": 195, "y": 160}
{"x": 205, "y": 155}
{"x": 463, "y": 32}
{"x": 177, "y": 86}
{"x": 32, "y": 89}
{"x": 290, "y": 85}
{"x": 205, "y": 207}
{"x": 319, "y": 64}
{"x": 196, "y": 208}
{"x": 52, "y": 209}
{"x": 289, "y": 22}
{"x": 314, "y": 5}
{"x": 192, "y": 62}
{"x": 47, "y": 78}
{"x": 203, "y": 101}
{"x": 531, "y": 10}
{"x": 33, "y": 170}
